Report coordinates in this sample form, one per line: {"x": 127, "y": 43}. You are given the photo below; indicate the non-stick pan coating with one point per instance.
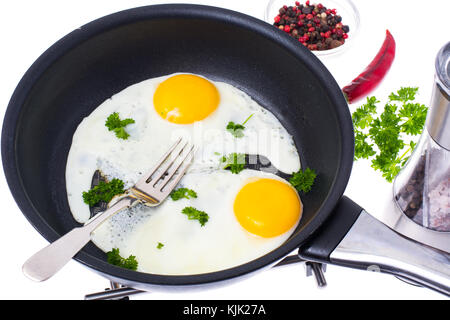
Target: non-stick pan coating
{"x": 100, "y": 59}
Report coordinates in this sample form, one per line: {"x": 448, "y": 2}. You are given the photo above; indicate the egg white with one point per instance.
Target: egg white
{"x": 188, "y": 247}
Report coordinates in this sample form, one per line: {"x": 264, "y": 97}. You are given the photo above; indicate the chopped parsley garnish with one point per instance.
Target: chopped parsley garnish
{"x": 194, "y": 214}
{"x": 234, "y": 161}
{"x": 160, "y": 245}
{"x": 113, "y": 123}
{"x": 104, "y": 191}
{"x": 115, "y": 259}
{"x": 237, "y": 129}
{"x": 181, "y": 193}
{"x": 380, "y": 138}
{"x": 303, "y": 180}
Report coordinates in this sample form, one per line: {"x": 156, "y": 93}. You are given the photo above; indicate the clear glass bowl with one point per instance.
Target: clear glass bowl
{"x": 345, "y": 8}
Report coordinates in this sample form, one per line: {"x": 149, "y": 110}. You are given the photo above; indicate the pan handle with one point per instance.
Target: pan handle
{"x": 353, "y": 238}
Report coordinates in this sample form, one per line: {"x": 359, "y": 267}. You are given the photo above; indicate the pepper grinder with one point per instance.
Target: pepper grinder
{"x": 422, "y": 188}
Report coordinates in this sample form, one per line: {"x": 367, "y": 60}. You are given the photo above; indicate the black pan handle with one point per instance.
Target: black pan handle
{"x": 353, "y": 238}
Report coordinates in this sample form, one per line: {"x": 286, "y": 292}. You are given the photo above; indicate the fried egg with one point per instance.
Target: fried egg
{"x": 242, "y": 226}
{"x": 250, "y": 214}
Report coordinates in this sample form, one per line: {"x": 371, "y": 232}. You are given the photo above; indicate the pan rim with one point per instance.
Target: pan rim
{"x": 64, "y": 45}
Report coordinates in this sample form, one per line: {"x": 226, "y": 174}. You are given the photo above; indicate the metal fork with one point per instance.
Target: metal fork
{"x": 150, "y": 190}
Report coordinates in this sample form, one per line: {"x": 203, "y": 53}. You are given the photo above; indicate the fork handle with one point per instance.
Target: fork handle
{"x": 47, "y": 262}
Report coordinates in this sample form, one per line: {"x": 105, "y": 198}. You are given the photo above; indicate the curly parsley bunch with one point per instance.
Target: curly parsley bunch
{"x": 384, "y": 139}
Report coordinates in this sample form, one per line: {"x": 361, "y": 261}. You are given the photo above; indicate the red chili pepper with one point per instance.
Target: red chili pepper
{"x": 369, "y": 79}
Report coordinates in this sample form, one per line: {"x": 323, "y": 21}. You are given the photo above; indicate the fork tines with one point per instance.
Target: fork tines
{"x": 166, "y": 174}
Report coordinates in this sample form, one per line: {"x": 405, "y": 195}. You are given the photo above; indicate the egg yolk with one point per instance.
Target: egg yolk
{"x": 185, "y": 98}
{"x": 267, "y": 207}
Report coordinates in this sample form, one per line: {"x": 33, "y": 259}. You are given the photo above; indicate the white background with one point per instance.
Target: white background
{"x": 29, "y": 27}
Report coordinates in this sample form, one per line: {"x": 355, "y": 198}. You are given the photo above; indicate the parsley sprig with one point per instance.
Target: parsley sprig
{"x": 104, "y": 191}
{"x": 114, "y": 257}
{"x": 183, "y": 193}
{"x": 303, "y": 180}
{"x": 382, "y": 139}
{"x": 194, "y": 214}
{"x": 113, "y": 123}
{"x": 234, "y": 161}
{"x": 236, "y": 129}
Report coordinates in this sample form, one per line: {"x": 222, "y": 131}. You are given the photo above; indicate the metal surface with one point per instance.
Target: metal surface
{"x": 118, "y": 291}
{"x": 157, "y": 184}
{"x": 371, "y": 245}
{"x": 317, "y": 269}
{"x": 394, "y": 218}
{"x": 113, "y": 294}
{"x": 438, "y": 120}
{"x": 148, "y": 190}
{"x": 48, "y": 261}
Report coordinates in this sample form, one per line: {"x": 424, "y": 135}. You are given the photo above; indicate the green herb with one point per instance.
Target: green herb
{"x": 181, "y": 193}
{"x": 237, "y": 129}
{"x": 160, "y": 245}
{"x": 303, "y": 180}
{"x": 385, "y": 131}
{"x": 115, "y": 259}
{"x": 194, "y": 214}
{"x": 415, "y": 115}
{"x": 404, "y": 94}
{"x": 113, "y": 123}
{"x": 363, "y": 116}
{"x": 104, "y": 191}
{"x": 234, "y": 161}
{"x": 362, "y": 148}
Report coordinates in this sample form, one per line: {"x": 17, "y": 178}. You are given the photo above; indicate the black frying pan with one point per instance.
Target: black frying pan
{"x": 103, "y": 57}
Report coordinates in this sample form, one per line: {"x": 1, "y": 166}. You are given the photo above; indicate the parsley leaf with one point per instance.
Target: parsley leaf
{"x": 115, "y": 259}
{"x": 181, "y": 193}
{"x": 234, "y": 161}
{"x": 363, "y": 116}
{"x": 237, "y": 129}
{"x": 362, "y": 148}
{"x": 414, "y": 115}
{"x": 404, "y": 94}
{"x": 160, "y": 245}
{"x": 386, "y": 131}
{"x": 194, "y": 214}
{"x": 303, "y": 180}
{"x": 104, "y": 191}
{"x": 113, "y": 123}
